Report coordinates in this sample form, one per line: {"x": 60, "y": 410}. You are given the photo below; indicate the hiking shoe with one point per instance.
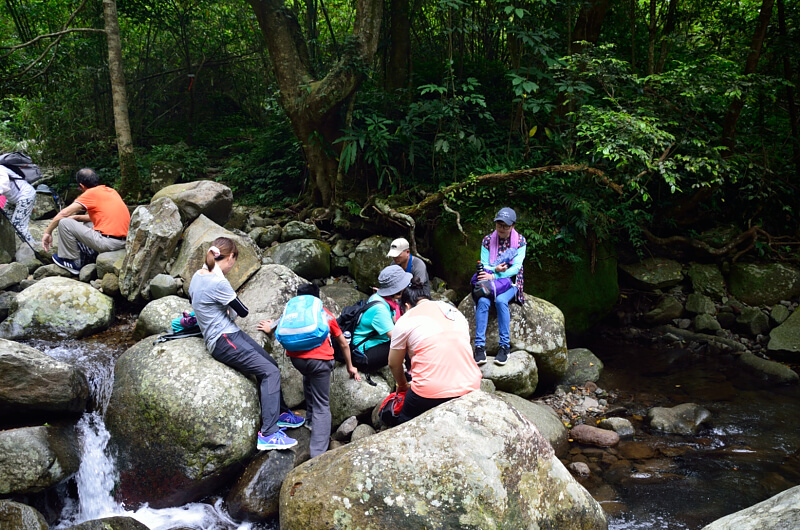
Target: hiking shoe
{"x": 480, "y": 355}
{"x": 290, "y": 420}
{"x": 68, "y": 264}
{"x": 276, "y": 440}
{"x": 502, "y": 356}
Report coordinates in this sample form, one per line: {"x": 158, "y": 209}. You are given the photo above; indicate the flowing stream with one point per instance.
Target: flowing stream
{"x": 750, "y": 452}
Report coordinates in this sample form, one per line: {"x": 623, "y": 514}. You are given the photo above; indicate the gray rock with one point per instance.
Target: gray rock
{"x": 37, "y": 458}
{"x": 781, "y": 512}
{"x": 707, "y": 280}
{"x": 778, "y": 314}
{"x": 340, "y": 265}
{"x": 343, "y": 294}
{"x": 706, "y": 323}
{"x": 752, "y": 321}
{"x": 700, "y": 304}
{"x": 163, "y": 174}
{"x": 621, "y": 426}
{"x": 504, "y": 475}
{"x": 537, "y": 327}
{"x": 20, "y": 516}
{"x": 110, "y": 285}
{"x": 180, "y": 422}
{"x": 685, "y": 418}
{"x": 8, "y": 242}
{"x": 8, "y": 303}
{"x": 349, "y": 397}
{"x": 51, "y": 270}
{"x": 88, "y": 273}
{"x": 157, "y": 316}
{"x": 771, "y": 371}
{"x": 271, "y": 234}
{"x": 32, "y": 382}
{"x": 12, "y": 274}
{"x": 346, "y": 429}
{"x": 299, "y": 230}
{"x": 309, "y": 258}
{"x": 667, "y": 310}
{"x": 582, "y": 366}
{"x": 545, "y": 419}
{"x": 44, "y": 206}
{"x": 118, "y": 522}
{"x": 204, "y": 197}
{"x": 518, "y": 376}
{"x": 110, "y": 263}
{"x": 654, "y": 273}
{"x": 198, "y": 237}
{"x": 163, "y": 285}
{"x": 757, "y": 285}
{"x": 784, "y": 341}
{"x": 58, "y": 308}
{"x": 361, "y": 432}
{"x": 368, "y": 260}
{"x": 589, "y": 435}
{"x": 580, "y": 469}
{"x": 153, "y": 235}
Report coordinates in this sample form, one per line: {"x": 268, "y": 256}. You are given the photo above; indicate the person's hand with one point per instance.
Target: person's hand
{"x": 3, "y": 201}
{"x": 485, "y": 276}
{"x": 353, "y": 371}
{"x": 503, "y": 267}
{"x": 265, "y": 326}
{"x": 47, "y": 240}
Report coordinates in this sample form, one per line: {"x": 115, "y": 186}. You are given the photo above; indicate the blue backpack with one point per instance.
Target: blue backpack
{"x": 304, "y": 324}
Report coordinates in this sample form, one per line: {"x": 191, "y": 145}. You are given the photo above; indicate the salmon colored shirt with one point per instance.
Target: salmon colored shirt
{"x": 436, "y": 337}
{"x": 106, "y": 210}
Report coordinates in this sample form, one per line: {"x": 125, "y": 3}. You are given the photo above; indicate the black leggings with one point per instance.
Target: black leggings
{"x": 376, "y": 358}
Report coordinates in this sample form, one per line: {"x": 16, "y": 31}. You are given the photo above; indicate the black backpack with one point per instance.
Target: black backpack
{"x": 348, "y": 321}
{"x": 22, "y": 166}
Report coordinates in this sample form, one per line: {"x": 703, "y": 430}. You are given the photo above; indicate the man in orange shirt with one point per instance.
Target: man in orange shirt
{"x": 102, "y": 228}
{"x": 435, "y": 335}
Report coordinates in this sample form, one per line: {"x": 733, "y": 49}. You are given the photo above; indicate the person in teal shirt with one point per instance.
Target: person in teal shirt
{"x": 374, "y": 332}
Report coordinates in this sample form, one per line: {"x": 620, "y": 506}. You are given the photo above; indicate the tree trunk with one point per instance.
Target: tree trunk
{"x": 789, "y": 76}
{"x": 313, "y": 105}
{"x": 398, "y": 67}
{"x": 129, "y": 184}
{"x": 589, "y": 23}
{"x": 669, "y": 27}
{"x": 651, "y": 39}
{"x": 735, "y": 109}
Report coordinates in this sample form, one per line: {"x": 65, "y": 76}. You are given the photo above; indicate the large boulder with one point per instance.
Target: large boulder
{"x": 20, "y": 516}
{"x": 781, "y": 512}
{"x": 784, "y": 341}
{"x": 454, "y": 255}
{"x": 110, "y": 263}
{"x": 756, "y": 284}
{"x": 685, "y": 418}
{"x": 299, "y": 230}
{"x": 309, "y": 258}
{"x": 8, "y": 241}
{"x": 369, "y": 259}
{"x": 33, "y": 459}
{"x": 653, "y": 273}
{"x": 204, "y": 197}
{"x": 58, "y": 308}
{"x": 117, "y": 522}
{"x": 154, "y": 233}
{"x": 12, "y": 274}
{"x": 157, "y": 316}
{"x": 473, "y": 462}
{"x": 349, "y": 397}
{"x": 537, "y": 328}
{"x": 707, "y": 280}
{"x": 545, "y": 419}
{"x": 771, "y": 372}
{"x": 32, "y": 383}
{"x": 180, "y": 422}
{"x": 582, "y": 366}
{"x": 518, "y": 376}
{"x": 343, "y": 294}
{"x": 198, "y": 237}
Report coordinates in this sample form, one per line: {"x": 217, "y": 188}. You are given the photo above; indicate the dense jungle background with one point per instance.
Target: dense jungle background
{"x": 640, "y": 123}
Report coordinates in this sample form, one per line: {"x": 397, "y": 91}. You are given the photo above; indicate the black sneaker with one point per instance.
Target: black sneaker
{"x": 68, "y": 264}
{"x": 502, "y": 356}
{"x": 480, "y": 355}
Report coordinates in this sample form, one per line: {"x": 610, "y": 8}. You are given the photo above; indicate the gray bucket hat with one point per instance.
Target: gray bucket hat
{"x": 393, "y": 279}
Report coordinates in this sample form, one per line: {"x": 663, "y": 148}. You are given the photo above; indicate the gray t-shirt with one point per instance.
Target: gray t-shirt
{"x": 419, "y": 270}
{"x": 210, "y": 295}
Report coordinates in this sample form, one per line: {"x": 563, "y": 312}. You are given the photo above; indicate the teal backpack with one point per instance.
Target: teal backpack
{"x": 304, "y": 324}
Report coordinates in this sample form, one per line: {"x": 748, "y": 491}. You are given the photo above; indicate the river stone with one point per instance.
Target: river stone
{"x": 784, "y": 341}
{"x": 473, "y": 462}
{"x": 545, "y": 419}
{"x": 705, "y": 323}
{"x": 700, "y": 304}
{"x": 51, "y": 270}
{"x": 582, "y": 366}
{"x": 110, "y": 285}
{"x": 163, "y": 285}
{"x": 589, "y": 435}
{"x": 299, "y": 230}
{"x": 368, "y": 260}
{"x": 20, "y": 516}
{"x": 309, "y": 258}
{"x": 668, "y": 309}
{"x": 32, "y": 382}
{"x": 88, "y": 273}
{"x": 349, "y": 397}
{"x": 778, "y": 314}
{"x": 33, "y": 459}
{"x": 752, "y": 321}
{"x": 12, "y": 274}
{"x": 205, "y": 197}
{"x": 345, "y": 430}
{"x": 118, "y": 522}
{"x": 110, "y": 262}
{"x": 362, "y": 431}
{"x": 685, "y": 418}
{"x": 707, "y": 280}
{"x": 255, "y": 234}
{"x": 519, "y": 376}
{"x": 8, "y": 242}
{"x": 58, "y": 308}
{"x": 781, "y": 512}
{"x": 157, "y": 316}
{"x": 654, "y": 273}
{"x": 154, "y": 233}
{"x": 537, "y": 327}
{"x": 343, "y": 294}
{"x": 621, "y": 426}
{"x": 180, "y": 422}
{"x": 8, "y": 303}
{"x": 756, "y": 284}
{"x": 771, "y": 371}
{"x": 198, "y": 237}
{"x": 340, "y": 266}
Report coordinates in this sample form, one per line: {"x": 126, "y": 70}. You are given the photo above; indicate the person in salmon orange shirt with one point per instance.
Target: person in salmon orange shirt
{"x": 96, "y": 222}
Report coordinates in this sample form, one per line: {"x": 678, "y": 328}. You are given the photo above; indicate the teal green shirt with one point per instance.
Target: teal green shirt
{"x": 376, "y": 318}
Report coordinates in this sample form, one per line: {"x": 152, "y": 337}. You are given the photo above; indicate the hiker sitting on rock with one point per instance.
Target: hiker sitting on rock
{"x": 504, "y": 238}
{"x": 316, "y": 365}
{"x": 215, "y": 306}
{"x": 435, "y": 335}
{"x": 375, "y": 328}
{"x": 103, "y": 228}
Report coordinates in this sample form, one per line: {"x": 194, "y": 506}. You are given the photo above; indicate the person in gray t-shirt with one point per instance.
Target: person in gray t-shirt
{"x": 401, "y": 255}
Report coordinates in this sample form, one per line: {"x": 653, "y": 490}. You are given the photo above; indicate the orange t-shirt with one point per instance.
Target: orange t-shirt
{"x": 106, "y": 211}
{"x": 324, "y": 351}
{"x": 436, "y": 337}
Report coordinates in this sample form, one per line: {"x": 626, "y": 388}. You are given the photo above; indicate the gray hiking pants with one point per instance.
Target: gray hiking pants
{"x": 71, "y": 231}
{"x": 317, "y": 389}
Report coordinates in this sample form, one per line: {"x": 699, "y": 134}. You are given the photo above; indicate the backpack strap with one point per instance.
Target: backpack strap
{"x": 372, "y": 333}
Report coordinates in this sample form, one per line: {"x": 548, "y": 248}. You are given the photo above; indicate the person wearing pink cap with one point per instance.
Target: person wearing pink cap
{"x": 400, "y": 253}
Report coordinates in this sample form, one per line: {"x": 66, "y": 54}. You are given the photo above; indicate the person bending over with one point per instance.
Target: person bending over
{"x": 216, "y": 306}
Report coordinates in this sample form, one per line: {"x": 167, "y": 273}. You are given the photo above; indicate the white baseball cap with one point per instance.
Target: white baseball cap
{"x": 398, "y": 246}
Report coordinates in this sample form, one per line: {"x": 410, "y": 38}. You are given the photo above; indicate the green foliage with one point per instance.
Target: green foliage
{"x": 192, "y": 161}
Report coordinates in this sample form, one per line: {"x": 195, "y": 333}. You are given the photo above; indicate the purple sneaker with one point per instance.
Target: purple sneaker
{"x": 276, "y": 440}
{"x": 290, "y": 420}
